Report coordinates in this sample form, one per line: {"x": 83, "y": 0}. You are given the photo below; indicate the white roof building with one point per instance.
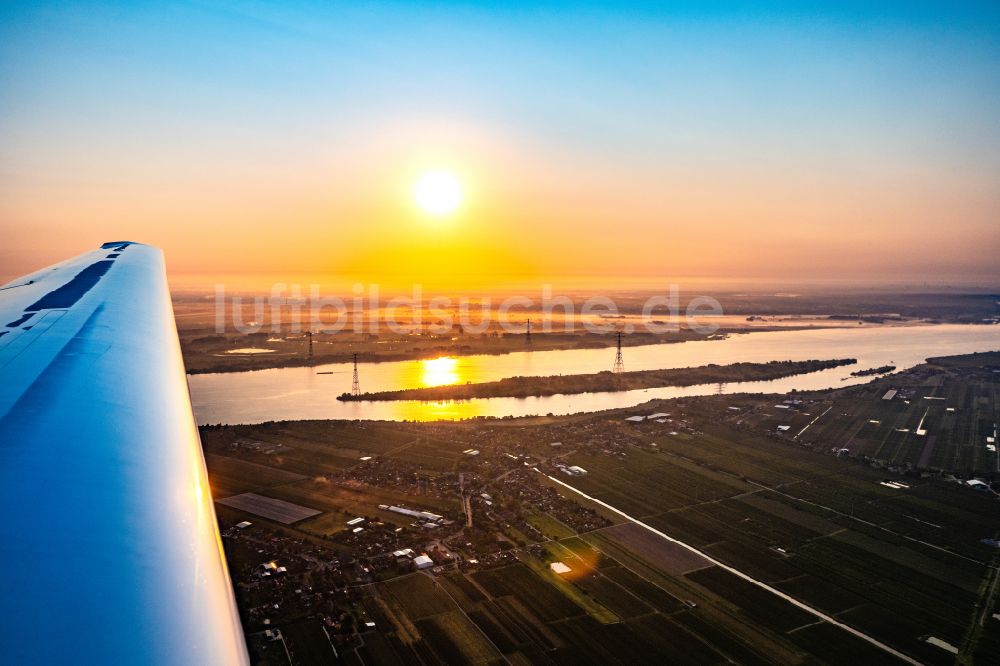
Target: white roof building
{"x": 559, "y": 568}
{"x": 423, "y": 515}
{"x": 423, "y": 562}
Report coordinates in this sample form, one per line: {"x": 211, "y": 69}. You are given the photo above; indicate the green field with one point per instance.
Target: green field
{"x": 525, "y": 617}
{"x": 939, "y": 418}
{"x": 899, "y": 563}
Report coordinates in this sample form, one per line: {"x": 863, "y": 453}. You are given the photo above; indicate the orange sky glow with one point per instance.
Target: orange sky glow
{"x": 749, "y": 162}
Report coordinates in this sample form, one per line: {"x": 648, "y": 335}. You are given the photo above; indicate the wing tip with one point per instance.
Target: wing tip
{"x": 118, "y": 245}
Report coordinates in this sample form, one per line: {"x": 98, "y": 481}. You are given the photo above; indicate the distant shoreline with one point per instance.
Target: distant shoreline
{"x": 524, "y": 387}
{"x": 198, "y": 362}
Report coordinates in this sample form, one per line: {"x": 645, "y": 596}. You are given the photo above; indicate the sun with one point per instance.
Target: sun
{"x": 438, "y": 193}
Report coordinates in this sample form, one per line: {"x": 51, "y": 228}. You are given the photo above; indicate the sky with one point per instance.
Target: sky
{"x": 596, "y": 141}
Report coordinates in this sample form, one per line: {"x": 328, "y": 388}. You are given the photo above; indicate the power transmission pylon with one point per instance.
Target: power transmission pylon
{"x": 619, "y": 364}
{"x": 355, "y": 385}
{"x": 310, "y": 336}
{"x": 527, "y": 334}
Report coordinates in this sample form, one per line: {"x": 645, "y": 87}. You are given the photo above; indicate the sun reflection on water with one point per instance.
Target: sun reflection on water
{"x": 412, "y": 410}
{"x": 439, "y": 371}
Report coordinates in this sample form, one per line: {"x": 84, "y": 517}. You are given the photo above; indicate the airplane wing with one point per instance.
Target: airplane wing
{"x": 109, "y": 547}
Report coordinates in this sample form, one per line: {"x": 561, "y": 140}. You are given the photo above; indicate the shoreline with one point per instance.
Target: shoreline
{"x": 524, "y": 387}
{"x": 295, "y": 359}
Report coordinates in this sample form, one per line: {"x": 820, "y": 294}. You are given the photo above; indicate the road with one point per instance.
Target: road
{"x": 750, "y": 579}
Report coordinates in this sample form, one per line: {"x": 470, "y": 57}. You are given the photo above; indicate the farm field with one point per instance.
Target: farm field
{"x": 940, "y": 416}
{"x": 706, "y": 616}
{"x": 900, "y": 563}
{"x": 893, "y": 551}
{"x": 522, "y": 615}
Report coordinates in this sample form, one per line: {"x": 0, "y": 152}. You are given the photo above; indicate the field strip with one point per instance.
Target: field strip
{"x": 462, "y": 611}
{"x": 813, "y": 421}
{"x": 868, "y": 523}
{"x": 795, "y": 602}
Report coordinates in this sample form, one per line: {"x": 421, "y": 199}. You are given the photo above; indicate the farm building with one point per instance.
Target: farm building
{"x": 422, "y": 515}
{"x": 559, "y": 568}
{"x": 423, "y": 562}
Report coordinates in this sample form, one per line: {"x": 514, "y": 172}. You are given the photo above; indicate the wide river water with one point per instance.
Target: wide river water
{"x": 302, "y": 393}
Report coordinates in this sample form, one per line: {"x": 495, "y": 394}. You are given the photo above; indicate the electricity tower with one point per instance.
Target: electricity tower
{"x": 355, "y": 385}
{"x": 619, "y": 364}
{"x": 310, "y": 336}
{"x": 527, "y": 334}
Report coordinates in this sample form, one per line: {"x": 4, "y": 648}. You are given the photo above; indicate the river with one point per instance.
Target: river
{"x": 281, "y": 394}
